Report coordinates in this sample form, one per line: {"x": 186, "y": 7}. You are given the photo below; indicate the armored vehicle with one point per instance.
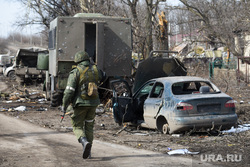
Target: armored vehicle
{"x": 107, "y": 40}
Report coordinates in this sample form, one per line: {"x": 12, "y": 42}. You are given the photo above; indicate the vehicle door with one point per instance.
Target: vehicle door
{"x": 153, "y": 104}
{"x": 139, "y": 98}
{"x": 122, "y": 102}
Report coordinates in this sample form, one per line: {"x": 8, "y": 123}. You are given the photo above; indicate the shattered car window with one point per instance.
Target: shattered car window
{"x": 184, "y": 88}
{"x": 145, "y": 91}
{"x": 157, "y": 90}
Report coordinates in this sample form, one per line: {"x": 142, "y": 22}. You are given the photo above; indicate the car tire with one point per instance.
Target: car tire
{"x": 56, "y": 99}
{"x": 165, "y": 129}
{"x": 12, "y": 75}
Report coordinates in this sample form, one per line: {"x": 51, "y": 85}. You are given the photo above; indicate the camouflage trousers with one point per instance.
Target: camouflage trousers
{"x": 82, "y": 121}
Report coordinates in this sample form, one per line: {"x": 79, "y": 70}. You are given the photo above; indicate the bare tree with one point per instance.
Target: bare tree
{"x": 47, "y": 10}
{"x": 144, "y": 19}
{"x": 143, "y": 14}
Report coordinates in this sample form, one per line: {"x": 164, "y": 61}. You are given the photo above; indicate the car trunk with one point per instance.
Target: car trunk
{"x": 207, "y": 105}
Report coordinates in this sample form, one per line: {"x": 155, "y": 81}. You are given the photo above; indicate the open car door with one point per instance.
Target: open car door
{"x": 122, "y": 102}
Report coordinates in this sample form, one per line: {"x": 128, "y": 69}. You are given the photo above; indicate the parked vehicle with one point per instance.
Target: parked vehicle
{"x": 24, "y": 67}
{"x": 4, "y": 60}
{"x": 174, "y": 104}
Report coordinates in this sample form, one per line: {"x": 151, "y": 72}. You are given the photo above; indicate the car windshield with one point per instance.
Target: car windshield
{"x": 193, "y": 87}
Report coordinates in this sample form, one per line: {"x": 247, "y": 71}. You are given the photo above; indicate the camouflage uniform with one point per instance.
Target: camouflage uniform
{"x": 75, "y": 96}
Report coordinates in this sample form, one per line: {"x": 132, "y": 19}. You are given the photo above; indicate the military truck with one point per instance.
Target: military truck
{"x": 107, "y": 40}
{"x": 25, "y": 68}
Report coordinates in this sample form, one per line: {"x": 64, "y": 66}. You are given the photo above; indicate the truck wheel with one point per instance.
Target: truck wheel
{"x": 56, "y": 99}
{"x": 12, "y": 75}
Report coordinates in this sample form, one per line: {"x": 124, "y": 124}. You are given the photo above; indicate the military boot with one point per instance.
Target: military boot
{"x": 86, "y": 147}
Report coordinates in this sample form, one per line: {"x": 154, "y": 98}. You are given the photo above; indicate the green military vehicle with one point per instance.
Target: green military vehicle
{"x": 107, "y": 40}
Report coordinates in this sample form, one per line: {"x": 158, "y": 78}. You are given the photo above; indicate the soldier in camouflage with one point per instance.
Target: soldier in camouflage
{"x": 84, "y": 101}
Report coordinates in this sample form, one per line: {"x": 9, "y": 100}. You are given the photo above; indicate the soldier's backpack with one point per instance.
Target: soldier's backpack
{"x": 88, "y": 80}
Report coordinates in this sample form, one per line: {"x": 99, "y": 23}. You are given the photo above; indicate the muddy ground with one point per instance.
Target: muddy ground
{"x": 219, "y": 146}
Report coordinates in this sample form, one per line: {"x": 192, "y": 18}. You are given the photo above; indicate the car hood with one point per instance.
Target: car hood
{"x": 155, "y": 67}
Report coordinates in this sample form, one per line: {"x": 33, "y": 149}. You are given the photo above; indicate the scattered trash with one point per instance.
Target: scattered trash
{"x": 3, "y": 109}
{"x": 20, "y": 108}
{"x": 141, "y": 134}
{"x": 181, "y": 151}
{"x": 241, "y": 128}
{"x": 100, "y": 109}
{"x": 34, "y": 95}
{"x": 67, "y": 128}
{"x": 176, "y": 135}
{"x": 169, "y": 148}
{"x": 241, "y": 102}
{"x": 22, "y": 99}
{"x": 41, "y": 100}
{"x": 10, "y": 101}
{"x": 119, "y": 131}
{"x": 41, "y": 109}
{"x": 14, "y": 97}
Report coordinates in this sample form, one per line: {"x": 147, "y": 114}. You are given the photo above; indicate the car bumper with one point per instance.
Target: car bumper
{"x": 203, "y": 123}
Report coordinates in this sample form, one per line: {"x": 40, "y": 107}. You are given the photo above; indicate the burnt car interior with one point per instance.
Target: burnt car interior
{"x": 183, "y": 88}
{"x": 139, "y": 100}
{"x": 27, "y": 58}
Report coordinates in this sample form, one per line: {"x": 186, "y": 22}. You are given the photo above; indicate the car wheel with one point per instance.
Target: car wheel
{"x": 165, "y": 129}
{"x": 12, "y": 75}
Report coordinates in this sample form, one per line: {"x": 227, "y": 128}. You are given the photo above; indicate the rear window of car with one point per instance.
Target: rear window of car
{"x": 192, "y": 87}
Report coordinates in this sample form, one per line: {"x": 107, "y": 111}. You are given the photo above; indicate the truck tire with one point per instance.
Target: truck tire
{"x": 12, "y": 75}
{"x": 56, "y": 99}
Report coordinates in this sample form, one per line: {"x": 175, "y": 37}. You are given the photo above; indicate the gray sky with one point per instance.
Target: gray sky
{"x": 10, "y": 12}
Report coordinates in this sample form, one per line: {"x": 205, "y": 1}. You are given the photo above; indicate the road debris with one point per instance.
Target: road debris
{"x": 177, "y": 135}
{"x": 241, "y": 128}
{"x": 181, "y": 151}
{"x": 20, "y": 108}
{"x": 119, "y": 131}
{"x": 41, "y": 109}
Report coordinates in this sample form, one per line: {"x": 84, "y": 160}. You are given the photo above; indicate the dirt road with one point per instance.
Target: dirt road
{"x": 24, "y": 144}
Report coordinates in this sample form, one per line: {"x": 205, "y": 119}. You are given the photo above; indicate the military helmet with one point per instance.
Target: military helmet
{"x": 81, "y": 56}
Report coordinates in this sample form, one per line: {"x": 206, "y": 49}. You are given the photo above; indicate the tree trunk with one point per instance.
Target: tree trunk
{"x": 149, "y": 40}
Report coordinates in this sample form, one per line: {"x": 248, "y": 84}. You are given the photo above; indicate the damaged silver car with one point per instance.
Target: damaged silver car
{"x": 174, "y": 104}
